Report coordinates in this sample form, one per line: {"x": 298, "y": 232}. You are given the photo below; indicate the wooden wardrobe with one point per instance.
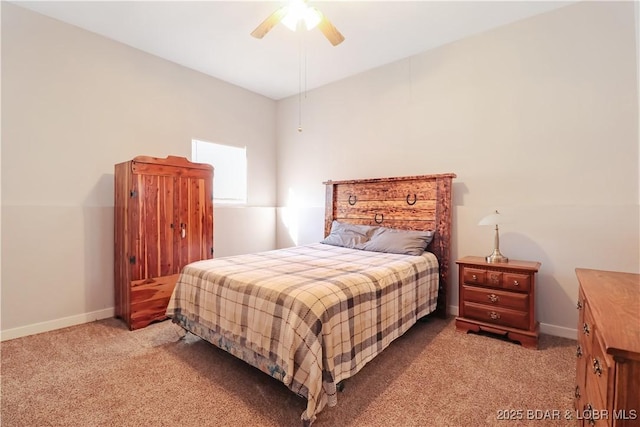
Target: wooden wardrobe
{"x": 163, "y": 221}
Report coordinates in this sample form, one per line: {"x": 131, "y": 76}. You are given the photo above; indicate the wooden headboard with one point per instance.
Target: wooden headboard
{"x": 420, "y": 202}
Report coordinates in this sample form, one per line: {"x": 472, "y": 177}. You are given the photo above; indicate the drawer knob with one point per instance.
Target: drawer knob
{"x": 579, "y": 305}
{"x": 588, "y": 410}
{"x": 579, "y": 351}
{"x": 493, "y": 315}
{"x": 493, "y": 298}
{"x": 585, "y": 328}
{"x": 597, "y": 368}
{"x": 515, "y": 283}
{"x": 577, "y": 392}
{"x": 474, "y": 277}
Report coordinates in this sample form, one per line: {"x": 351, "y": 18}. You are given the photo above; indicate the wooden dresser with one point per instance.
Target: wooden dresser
{"x": 163, "y": 221}
{"x": 498, "y": 298}
{"x": 607, "y": 391}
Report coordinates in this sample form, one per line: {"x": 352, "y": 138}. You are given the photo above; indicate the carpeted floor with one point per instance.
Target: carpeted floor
{"x": 101, "y": 374}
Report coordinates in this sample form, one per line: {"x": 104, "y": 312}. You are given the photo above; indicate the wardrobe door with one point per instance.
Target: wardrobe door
{"x": 195, "y": 212}
{"x": 153, "y": 232}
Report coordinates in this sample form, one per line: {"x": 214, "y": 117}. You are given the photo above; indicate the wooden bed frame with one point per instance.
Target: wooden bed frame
{"x": 421, "y": 202}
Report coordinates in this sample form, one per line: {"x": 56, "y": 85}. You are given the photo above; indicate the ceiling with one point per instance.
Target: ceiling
{"x": 213, "y": 36}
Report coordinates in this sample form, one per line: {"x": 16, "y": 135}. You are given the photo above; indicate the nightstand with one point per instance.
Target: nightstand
{"x": 498, "y": 298}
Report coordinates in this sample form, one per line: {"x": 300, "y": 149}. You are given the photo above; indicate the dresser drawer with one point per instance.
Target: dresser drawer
{"x": 593, "y": 406}
{"x": 593, "y": 415}
{"x": 516, "y": 282}
{"x": 598, "y": 367}
{"x": 580, "y": 389}
{"x": 581, "y": 307}
{"x": 496, "y": 315}
{"x": 496, "y": 298}
{"x": 586, "y": 330}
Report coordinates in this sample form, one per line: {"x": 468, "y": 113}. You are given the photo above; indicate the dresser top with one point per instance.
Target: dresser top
{"x": 614, "y": 299}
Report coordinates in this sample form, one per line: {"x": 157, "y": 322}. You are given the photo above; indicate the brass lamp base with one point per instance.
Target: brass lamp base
{"x": 496, "y": 257}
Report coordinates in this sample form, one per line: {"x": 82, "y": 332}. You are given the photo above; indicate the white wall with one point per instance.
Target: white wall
{"x": 538, "y": 119}
{"x": 0, "y": 175}
{"x": 637, "y": 9}
{"x": 73, "y": 105}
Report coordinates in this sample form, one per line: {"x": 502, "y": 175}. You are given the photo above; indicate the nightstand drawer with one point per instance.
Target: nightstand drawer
{"x": 517, "y": 282}
{"x": 496, "y": 298}
{"x": 497, "y": 315}
{"x": 474, "y": 276}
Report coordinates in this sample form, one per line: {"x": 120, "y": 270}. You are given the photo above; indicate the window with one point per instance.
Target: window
{"x": 230, "y": 170}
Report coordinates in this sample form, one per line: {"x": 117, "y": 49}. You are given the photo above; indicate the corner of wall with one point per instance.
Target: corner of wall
{"x": 636, "y": 5}
{"x": 1, "y": 138}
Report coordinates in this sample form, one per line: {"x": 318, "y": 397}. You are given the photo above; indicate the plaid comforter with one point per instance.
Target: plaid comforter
{"x": 318, "y": 312}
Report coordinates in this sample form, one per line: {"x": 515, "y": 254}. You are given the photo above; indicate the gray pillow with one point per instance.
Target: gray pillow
{"x": 349, "y": 235}
{"x": 396, "y": 241}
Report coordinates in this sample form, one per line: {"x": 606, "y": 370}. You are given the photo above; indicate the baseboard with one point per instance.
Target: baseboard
{"x": 558, "y": 331}
{"x": 453, "y": 310}
{"x": 545, "y": 328}
{"x": 51, "y": 325}
{"x": 65, "y": 322}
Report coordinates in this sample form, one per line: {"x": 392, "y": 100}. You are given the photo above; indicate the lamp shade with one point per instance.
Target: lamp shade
{"x": 492, "y": 219}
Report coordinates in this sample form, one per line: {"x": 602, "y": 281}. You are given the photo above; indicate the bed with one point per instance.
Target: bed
{"x": 313, "y": 315}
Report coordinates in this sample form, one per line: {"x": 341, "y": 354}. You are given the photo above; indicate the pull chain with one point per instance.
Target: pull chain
{"x": 300, "y": 88}
{"x": 302, "y": 62}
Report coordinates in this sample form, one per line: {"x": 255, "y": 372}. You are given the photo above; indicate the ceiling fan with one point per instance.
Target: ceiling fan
{"x": 295, "y": 14}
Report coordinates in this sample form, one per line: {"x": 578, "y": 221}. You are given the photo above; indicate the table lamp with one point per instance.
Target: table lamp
{"x": 494, "y": 219}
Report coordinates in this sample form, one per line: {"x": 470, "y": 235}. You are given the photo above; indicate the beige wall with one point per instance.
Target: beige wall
{"x": 538, "y": 119}
{"x": 73, "y": 105}
{"x": 637, "y": 9}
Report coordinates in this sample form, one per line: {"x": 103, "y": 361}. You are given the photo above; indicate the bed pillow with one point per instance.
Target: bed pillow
{"x": 349, "y": 235}
{"x": 396, "y": 241}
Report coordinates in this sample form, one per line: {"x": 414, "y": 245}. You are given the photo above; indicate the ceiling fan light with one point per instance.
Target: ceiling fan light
{"x": 312, "y": 18}
{"x": 291, "y": 19}
{"x": 298, "y": 12}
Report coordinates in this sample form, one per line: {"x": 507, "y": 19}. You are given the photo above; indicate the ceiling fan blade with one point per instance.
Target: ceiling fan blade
{"x": 330, "y": 32}
{"x": 266, "y": 25}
